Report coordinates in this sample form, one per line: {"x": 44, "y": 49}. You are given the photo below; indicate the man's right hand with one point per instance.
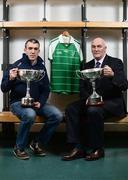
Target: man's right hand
{"x": 13, "y": 73}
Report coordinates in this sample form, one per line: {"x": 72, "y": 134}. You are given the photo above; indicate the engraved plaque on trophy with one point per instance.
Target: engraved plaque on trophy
{"x": 92, "y": 75}
{"x": 29, "y": 75}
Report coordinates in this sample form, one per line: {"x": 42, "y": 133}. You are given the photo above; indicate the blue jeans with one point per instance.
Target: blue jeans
{"x": 28, "y": 115}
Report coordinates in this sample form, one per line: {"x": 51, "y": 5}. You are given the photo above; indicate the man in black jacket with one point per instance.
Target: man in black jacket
{"x": 39, "y": 90}
{"x": 87, "y": 120}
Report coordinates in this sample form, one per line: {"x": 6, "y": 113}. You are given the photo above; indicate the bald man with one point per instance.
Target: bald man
{"x": 85, "y": 123}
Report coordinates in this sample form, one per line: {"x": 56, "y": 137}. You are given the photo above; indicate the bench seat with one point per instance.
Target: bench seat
{"x": 7, "y": 116}
{"x": 112, "y": 124}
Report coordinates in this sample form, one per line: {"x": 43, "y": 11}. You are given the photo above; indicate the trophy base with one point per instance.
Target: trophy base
{"x": 27, "y": 102}
{"x": 95, "y": 102}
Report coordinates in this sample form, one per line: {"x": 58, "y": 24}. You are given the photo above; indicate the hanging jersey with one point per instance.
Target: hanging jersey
{"x": 65, "y": 60}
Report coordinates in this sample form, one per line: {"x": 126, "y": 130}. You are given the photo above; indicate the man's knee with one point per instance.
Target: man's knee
{"x": 29, "y": 116}
{"x": 58, "y": 116}
{"x": 92, "y": 110}
{"x": 71, "y": 108}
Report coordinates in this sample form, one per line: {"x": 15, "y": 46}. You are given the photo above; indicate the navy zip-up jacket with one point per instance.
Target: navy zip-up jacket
{"x": 39, "y": 90}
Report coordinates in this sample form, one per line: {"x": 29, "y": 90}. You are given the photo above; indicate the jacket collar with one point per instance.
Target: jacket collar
{"x": 105, "y": 60}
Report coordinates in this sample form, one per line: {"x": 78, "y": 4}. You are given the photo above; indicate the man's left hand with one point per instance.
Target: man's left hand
{"x": 107, "y": 71}
{"x": 37, "y": 105}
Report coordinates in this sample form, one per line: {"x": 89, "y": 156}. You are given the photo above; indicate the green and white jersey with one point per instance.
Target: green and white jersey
{"x": 65, "y": 60}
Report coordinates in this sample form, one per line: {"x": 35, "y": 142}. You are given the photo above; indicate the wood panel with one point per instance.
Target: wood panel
{"x": 110, "y": 25}
{"x": 7, "y": 116}
{"x": 63, "y": 24}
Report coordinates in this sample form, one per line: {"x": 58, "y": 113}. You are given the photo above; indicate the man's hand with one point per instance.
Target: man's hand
{"x": 107, "y": 71}
{"x": 13, "y": 73}
{"x": 36, "y": 104}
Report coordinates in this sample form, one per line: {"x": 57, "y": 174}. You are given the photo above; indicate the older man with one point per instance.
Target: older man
{"x": 88, "y": 120}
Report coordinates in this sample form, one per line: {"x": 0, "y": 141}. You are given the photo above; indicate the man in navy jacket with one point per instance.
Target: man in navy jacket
{"x": 39, "y": 90}
{"x": 88, "y": 121}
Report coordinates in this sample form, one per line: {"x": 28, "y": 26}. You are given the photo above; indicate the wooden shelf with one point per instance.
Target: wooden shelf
{"x": 107, "y": 24}
{"x": 43, "y": 24}
{"x": 63, "y": 24}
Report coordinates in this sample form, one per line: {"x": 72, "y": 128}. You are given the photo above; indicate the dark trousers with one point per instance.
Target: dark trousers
{"x": 85, "y": 124}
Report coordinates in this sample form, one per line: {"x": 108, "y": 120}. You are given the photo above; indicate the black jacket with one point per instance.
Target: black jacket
{"x": 110, "y": 88}
{"x": 38, "y": 90}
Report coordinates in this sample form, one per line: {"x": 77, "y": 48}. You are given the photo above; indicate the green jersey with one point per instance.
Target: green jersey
{"x": 65, "y": 60}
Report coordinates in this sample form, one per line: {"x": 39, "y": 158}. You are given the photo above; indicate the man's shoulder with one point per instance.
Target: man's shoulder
{"x": 41, "y": 61}
{"x": 87, "y": 65}
{"x": 17, "y": 63}
{"x": 112, "y": 57}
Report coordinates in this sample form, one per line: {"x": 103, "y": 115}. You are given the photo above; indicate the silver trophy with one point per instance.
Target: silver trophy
{"x": 29, "y": 75}
{"x": 92, "y": 75}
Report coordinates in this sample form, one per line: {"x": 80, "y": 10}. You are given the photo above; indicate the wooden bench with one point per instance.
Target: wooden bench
{"x": 112, "y": 124}
{"x": 8, "y": 117}
{"x": 116, "y": 124}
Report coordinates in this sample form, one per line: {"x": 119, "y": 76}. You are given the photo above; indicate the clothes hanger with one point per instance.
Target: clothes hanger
{"x": 66, "y": 33}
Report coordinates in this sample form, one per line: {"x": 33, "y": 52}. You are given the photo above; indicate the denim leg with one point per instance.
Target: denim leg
{"x": 53, "y": 118}
{"x": 27, "y": 117}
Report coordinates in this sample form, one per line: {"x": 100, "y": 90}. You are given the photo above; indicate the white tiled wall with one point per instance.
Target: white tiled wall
{"x": 56, "y": 10}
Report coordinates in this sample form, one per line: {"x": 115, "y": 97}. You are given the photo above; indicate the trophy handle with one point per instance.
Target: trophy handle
{"x": 42, "y": 75}
{"x": 79, "y": 74}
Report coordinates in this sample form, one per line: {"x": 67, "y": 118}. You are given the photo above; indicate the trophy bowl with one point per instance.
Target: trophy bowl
{"x": 92, "y": 74}
{"x": 28, "y": 75}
